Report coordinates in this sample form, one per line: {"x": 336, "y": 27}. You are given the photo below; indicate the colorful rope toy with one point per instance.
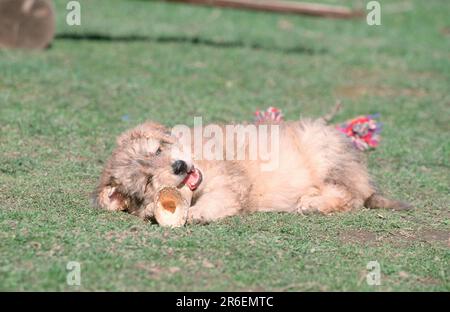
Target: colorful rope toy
{"x": 271, "y": 115}
{"x": 364, "y": 131}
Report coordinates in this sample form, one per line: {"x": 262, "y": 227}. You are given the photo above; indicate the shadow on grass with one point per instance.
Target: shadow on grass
{"x": 188, "y": 40}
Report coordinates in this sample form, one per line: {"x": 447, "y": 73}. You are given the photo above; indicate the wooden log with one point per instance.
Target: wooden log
{"x": 172, "y": 206}
{"x": 26, "y": 24}
{"x": 290, "y": 7}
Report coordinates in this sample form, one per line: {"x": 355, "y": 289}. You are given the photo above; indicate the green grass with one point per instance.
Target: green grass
{"x": 60, "y": 111}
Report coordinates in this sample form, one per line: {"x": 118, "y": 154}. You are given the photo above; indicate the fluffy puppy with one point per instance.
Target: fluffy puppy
{"x": 317, "y": 170}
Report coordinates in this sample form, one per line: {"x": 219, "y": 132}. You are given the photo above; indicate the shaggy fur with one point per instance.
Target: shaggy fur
{"x": 319, "y": 171}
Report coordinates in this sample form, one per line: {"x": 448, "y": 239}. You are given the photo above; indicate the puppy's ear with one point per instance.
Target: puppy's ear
{"x": 146, "y": 131}
{"x": 110, "y": 197}
{"x": 108, "y": 194}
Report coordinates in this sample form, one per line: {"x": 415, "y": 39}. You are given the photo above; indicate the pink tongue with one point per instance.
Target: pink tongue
{"x": 193, "y": 179}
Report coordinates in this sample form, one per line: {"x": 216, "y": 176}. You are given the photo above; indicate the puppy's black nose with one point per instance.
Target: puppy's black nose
{"x": 179, "y": 167}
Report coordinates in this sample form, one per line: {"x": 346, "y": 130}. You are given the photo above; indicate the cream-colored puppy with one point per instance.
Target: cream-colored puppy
{"x": 316, "y": 170}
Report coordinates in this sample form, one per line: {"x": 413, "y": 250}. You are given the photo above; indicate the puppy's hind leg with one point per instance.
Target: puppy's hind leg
{"x": 327, "y": 199}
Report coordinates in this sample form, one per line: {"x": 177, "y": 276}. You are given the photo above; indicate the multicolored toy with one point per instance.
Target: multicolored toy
{"x": 364, "y": 131}
{"x": 271, "y": 115}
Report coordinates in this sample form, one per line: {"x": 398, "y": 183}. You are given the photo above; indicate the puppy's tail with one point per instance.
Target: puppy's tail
{"x": 379, "y": 201}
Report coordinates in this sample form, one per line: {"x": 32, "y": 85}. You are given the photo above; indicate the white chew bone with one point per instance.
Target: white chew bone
{"x": 172, "y": 206}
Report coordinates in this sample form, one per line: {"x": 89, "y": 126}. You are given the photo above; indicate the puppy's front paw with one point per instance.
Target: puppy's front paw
{"x": 195, "y": 216}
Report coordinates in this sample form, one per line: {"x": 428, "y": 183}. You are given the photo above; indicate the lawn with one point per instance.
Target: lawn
{"x": 129, "y": 61}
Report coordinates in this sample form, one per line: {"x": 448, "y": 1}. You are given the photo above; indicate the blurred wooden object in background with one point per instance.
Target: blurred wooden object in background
{"x": 279, "y": 6}
{"x": 26, "y": 24}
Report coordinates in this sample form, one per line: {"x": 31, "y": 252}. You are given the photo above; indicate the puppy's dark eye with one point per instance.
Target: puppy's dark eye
{"x": 158, "y": 151}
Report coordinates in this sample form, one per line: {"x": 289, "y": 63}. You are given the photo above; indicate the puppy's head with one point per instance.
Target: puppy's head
{"x": 146, "y": 158}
